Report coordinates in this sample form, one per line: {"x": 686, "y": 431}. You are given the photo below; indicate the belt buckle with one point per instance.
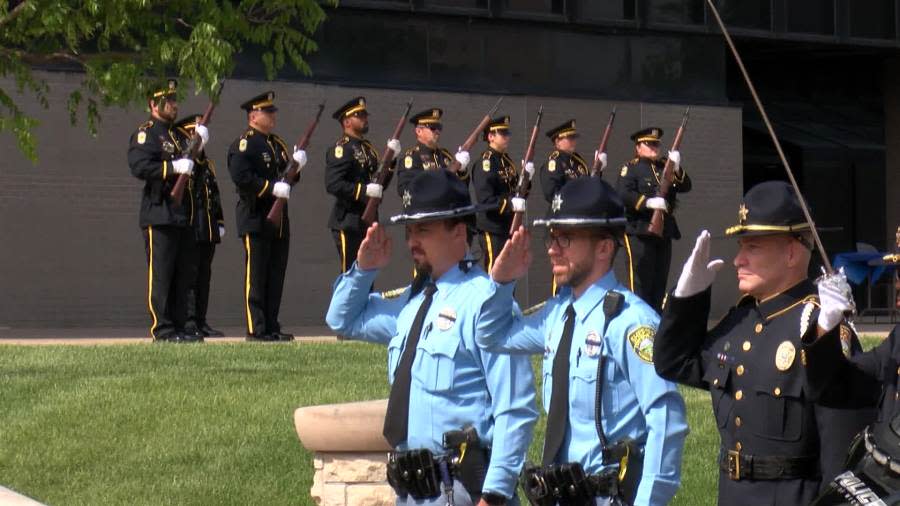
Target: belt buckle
{"x": 734, "y": 464}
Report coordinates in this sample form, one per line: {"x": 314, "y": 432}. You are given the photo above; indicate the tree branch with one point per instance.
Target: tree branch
{"x": 13, "y": 14}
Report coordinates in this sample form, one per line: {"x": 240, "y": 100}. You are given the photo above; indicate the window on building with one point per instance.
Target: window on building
{"x": 606, "y": 10}
{"x": 811, "y": 16}
{"x": 468, "y": 4}
{"x": 872, "y": 19}
{"x": 678, "y": 12}
{"x": 535, "y": 6}
{"x": 752, "y": 14}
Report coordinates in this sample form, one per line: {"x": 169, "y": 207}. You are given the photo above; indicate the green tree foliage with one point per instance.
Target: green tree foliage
{"x": 123, "y": 47}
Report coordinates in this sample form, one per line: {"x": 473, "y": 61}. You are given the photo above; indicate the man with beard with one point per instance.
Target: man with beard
{"x": 155, "y": 157}
{"x": 442, "y": 382}
{"x": 257, "y": 161}
{"x": 608, "y": 413}
{"x": 777, "y": 444}
{"x": 649, "y": 255}
{"x": 349, "y": 169}
{"x": 426, "y": 154}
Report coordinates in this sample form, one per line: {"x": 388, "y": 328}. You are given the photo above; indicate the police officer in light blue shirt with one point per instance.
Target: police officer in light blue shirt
{"x": 459, "y": 418}
{"x": 597, "y": 341}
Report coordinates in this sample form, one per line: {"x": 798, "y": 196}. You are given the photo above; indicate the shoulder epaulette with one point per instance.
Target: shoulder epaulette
{"x": 409, "y": 151}
{"x": 534, "y": 309}
{"x": 393, "y": 294}
{"x": 634, "y": 160}
{"x": 486, "y": 155}
{"x": 554, "y": 155}
{"x": 248, "y": 133}
{"x": 344, "y": 139}
{"x": 146, "y": 125}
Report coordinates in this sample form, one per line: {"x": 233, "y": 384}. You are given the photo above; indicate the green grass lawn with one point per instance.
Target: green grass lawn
{"x": 145, "y": 424}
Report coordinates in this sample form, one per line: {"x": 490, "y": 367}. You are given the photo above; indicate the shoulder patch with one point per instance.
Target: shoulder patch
{"x": 141, "y": 137}
{"x": 242, "y": 146}
{"x": 624, "y": 171}
{"x": 846, "y": 340}
{"x": 486, "y": 165}
{"x": 486, "y": 154}
{"x": 551, "y": 165}
{"x": 393, "y": 294}
{"x": 339, "y": 151}
{"x": 641, "y": 340}
{"x": 554, "y": 155}
{"x": 249, "y": 132}
{"x": 534, "y": 309}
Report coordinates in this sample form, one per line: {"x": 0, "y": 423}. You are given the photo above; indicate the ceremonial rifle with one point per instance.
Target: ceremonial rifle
{"x": 665, "y": 184}
{"x": 293, "y": 171}
{"x": 193, "y": 150}
{"x": 385, "y": 171}
{"x": 597, "y": 170}
{"x": 473, "y": 137}
{"x": 524, "y": 185}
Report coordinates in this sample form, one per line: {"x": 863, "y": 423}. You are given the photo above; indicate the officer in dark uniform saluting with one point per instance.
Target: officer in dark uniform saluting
{"x": 426, "y": 154}
{"x": 649, "y": 256}
{"x": 563, "y": 164}
{"x": 777, "y": 444}
{"x": 257, "y": 160}
{"x": 494, "y": 178}
{"x": 155, "y": 157}
{"x": 208, "y": 224}
{"x": 350, "y": 166}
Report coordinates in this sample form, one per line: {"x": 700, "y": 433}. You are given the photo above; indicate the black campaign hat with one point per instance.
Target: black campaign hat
{"x": 769, "y": 208}
{"x": 262, "y": 102}
{"x": 500, "y": 124}
{"x": 188, "y": 122}
{"x": 164, "y": 90}
{"x": 567, "y": 129}
{"x": 585, "y": 202}
{"x": 427, "y": 117}
{"x": 650, "y": 134}
{"x": 436, "y": 195}
{"x": 353, "y": 106}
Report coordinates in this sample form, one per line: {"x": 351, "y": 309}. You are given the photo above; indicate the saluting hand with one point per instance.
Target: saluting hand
{"x": 513, "y": 261}
{"x": 699, "y": 272}
{"x": 375, "y": 250}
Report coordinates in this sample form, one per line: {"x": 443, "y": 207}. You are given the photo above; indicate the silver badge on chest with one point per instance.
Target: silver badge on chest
{"x": 446, "y": 318}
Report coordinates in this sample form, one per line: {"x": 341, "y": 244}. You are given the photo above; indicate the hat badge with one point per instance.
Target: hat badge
{"x": 407, "y": 198}
{"x": 557, "y": 203}
{"x": 742, "y": 214}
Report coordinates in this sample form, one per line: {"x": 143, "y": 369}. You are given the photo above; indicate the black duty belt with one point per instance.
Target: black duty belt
{"x": 740, "y": 466}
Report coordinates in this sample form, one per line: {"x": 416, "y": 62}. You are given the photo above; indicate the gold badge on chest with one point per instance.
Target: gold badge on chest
{"x": 784, "y": 355}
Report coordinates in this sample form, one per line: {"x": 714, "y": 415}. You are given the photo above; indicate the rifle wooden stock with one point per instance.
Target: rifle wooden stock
{"x": 385, "y": 172}
{"x": 524, "y": 185}
{"x": 473, "y": 137}
{"x": 596, "y": 169}
{"x": 193, "y": 150}
{"x": 658, "y": 219}
{"x": 293, "y": 172}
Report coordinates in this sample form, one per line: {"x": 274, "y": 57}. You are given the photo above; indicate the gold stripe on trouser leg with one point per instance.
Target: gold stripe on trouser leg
{"x": 247, "y": 286}
{"x": 630, "y": 264}
{"x": 490, "y": 251}
{"x": 150, "y": 285}
{"x": 343, "y": 252}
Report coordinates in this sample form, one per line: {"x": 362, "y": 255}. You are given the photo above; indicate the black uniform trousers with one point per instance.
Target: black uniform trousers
{"x": 491, "y": 246}
{"x": 347, "y": 243}
{"x": 649, "y": 258}
{"x": 265, "y": 263}
{"x": 199, "y": 293}
{"x": 171, "y": 273}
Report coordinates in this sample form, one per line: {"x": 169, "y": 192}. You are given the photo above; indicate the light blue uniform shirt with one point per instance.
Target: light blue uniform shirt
{"x": 454, "y": 382}
{"x": 636, "y": 402}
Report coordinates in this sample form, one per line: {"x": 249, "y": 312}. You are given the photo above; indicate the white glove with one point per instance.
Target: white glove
{"x": 698, "y": 272}
{"x": 835, "y": 298}
{"x": 529, "y": 168}
{"x": 675, "y": 156}
{"x": 203, "y": 132}
{"x": 183, "y": 166}
{"x": 373, "y": 190}
{"x": 658, "y": 203}
{"x": 300, "y": 157}
{"x": 463, "y": 158}
{"x": 221, "y": 231}
{"x": 282, "y": 190}
{"x": 602, "y": 157}
{"x": 518, "y": 204}
{"x": 394, "y": 145}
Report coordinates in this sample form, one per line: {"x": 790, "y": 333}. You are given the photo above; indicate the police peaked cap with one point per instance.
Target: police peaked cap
{"x": 500, "y": 124}
{"x": 427, "y": 117}
{"x": 585, "y": 202}
{"x": 164, "y": 90}
{"x": 188, "y": 122}
{"x": 262, "y": 102}
{"x": 567, "y": 129}
{"x": 769, "y": 208}
{"x": 651, "y": 134}
{"x": 353, "y": 106}
{"x": 436, "y": 195}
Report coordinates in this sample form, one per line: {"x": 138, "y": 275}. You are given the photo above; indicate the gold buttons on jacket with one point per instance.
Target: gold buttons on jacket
{"x": 716, "y": 382}
{"x": 738, "y": 446}
{"x": 737, "y": 421}
{"x": 777, "y": 391}
{"x": 739, "y": 395}
{"x": 758, "y": 328}
{"x": 746, "y": 346}
{"x": 740, "y": 370}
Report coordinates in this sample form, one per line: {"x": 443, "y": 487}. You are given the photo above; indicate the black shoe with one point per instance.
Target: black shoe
{"x": 171, "y": 337}
{"x": 282, "y": 336}
{"x": 208, "y": 331}
{"x": 267, "y": 338}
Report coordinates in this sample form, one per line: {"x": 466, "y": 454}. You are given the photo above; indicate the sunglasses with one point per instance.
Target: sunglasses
{"x": 433, "y": 127}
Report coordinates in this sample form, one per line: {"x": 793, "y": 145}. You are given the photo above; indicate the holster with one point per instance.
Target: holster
{"x": 563, "y": 484}
{"x": 414, "y": 473}
{"x": 629, "y": 455}
{"x": 469, "y": 459}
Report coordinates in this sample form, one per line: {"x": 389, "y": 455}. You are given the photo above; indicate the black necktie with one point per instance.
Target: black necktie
{"x": 559, "y": 397}
{"x": 396, "y": 420}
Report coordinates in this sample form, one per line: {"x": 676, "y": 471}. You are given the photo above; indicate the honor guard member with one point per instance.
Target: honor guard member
{"x": 208, "y": 224}
{"x": 155, "y": 157}
{"x": 649, "y": 256}
{"x": 494, "y": 178}
{"x": 426, "y": 154}
{"x": 257, "y": 161}
{"x": 615, "y": 430}
{"x": 563, "y": 164}
{"x": 452, "y": 407}
{"x": 350, "y": 166}
{"x": 777, "y": 444}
